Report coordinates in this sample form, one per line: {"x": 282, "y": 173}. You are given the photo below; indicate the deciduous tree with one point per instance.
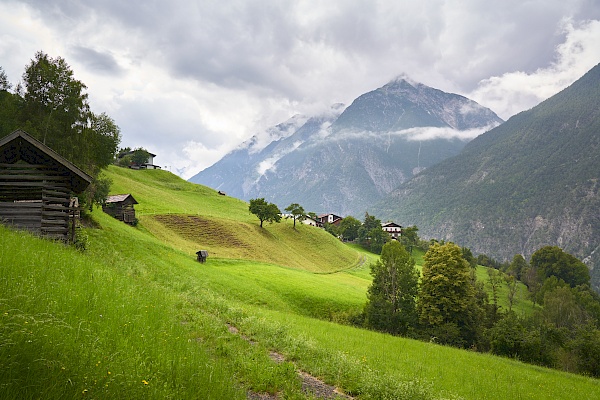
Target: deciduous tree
{"x": 409, "y": 237}
{"x": 349, "y": 228}
{"x": 264, "y": 211}
{"x": 56, "y": 105}
{"x": 511, "y": 285}
{"x": 447, "y": 305}
{"x": 371, "y": 235}
{"x": 391, "y": 305}
{"x": 517, "y": 267}
{"x": 553, "y": 261}
{"x": 140, "y": 156}
{"x": 297, "y": 211}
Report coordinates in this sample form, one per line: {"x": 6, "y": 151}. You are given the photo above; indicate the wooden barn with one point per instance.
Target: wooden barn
{"x": 120, "y": 206}
{"x": 37, "y": 186}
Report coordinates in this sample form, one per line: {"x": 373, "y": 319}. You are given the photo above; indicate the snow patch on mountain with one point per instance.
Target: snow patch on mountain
{"x": 269, "y": 163}
{"x": 261, "y": 140}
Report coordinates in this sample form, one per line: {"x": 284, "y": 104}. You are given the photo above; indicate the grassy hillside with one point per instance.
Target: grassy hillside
{"x": 135, "y": 316}
{"x": 189, "y": 216}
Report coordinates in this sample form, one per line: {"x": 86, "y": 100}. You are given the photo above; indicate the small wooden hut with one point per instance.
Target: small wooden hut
{"x": 120, "y": 206}
{"x": 202, "y": 255}
{"x": 37, "y": 186}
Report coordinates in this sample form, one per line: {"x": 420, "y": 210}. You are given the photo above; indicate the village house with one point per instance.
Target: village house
{"x": 393, "y": 229}
{"x": 310, "y": 221}
{"x": 149, "y": 164}
{"x": 331, "y": 219}
{"x": 37, "y": 187}
{"x": 120, "y": 206}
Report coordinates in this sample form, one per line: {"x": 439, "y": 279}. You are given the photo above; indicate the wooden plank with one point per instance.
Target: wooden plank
{"x": 24, "y": 177}
{"x": 50, "y": 192}
{"x": 50, "y": 207}
{"x": 24, "y": 184}
{"x": 31, "y": 228}
{"x": 10, "y": 215}
{"x": 13, "y": 205}
{"x": 56, "y": 236}
{"x": 35, "y": 221}
{"x": 20, "y": 214}
{"x": 55, "y": 213}
{"x": 54, "y": 229}
{"x": 62, "y": 222}
{"x": 61, "y": 200}
{"x": 21, "y": 165}
{"x": 25, "y": 169}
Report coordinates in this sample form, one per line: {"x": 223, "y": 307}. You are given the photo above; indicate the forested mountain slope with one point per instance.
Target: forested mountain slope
{"x": 530, "y": 182}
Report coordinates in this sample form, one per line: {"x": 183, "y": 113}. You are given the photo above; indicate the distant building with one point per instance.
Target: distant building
{"x": 149, "y": 164}
{"x": 309, "y": 221}
{"x": 331, "y": 219}
{"x": 393, "y": 229}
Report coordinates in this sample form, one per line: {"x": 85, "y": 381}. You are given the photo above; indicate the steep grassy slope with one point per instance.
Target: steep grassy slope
{"x": 193, "y": 217}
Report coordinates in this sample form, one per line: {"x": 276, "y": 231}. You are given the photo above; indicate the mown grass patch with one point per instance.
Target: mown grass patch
{"x": 305, "y": 247}
{"x": 161, "y": 192}
{"x": 329, "y": 296}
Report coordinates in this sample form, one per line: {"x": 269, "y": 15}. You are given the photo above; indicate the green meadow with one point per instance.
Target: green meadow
{"x": 136, "y": 316}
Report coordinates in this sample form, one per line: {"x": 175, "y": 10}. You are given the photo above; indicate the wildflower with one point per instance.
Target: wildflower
{"x": 109, "y": 372}
{"x": 145, "y": 382}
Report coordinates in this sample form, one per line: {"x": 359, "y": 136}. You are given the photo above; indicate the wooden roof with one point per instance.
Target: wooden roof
{"x": 20, "y": 146}
{"x": 129, "y": 153}
{"x": 119, "y": 198}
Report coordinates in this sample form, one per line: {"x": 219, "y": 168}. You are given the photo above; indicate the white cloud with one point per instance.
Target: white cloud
{"x": 208, "y": 75}
{"x": 431, "y": 133}
{"x": 516, "y": 91}
{"x": 269, "y": 164}
{"x": 412, "y": 134}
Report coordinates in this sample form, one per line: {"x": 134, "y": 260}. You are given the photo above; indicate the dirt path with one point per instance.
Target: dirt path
{"x": 310, "y": 385}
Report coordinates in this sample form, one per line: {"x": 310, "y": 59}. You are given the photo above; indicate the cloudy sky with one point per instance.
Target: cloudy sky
{"x": 190, "y": 80}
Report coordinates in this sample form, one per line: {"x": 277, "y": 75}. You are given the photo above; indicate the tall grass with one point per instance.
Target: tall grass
{"x": 369, "y": 363}
{"x": 73, "y": 326}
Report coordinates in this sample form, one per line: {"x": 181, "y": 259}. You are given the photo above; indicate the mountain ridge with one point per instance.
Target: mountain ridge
{"x": 530, "y": 182}
{"x": 348, "y": 158}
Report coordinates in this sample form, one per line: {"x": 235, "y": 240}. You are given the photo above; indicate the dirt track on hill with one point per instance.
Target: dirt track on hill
{"x": 310, "y": 385}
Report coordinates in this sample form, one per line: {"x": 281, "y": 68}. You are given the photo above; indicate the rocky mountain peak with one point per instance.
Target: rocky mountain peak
{"x": 344, "y": 159}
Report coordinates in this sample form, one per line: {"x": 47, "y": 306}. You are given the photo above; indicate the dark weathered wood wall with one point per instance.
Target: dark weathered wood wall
{"x": 36, "y": 198}
{"x": 121, "y": 211}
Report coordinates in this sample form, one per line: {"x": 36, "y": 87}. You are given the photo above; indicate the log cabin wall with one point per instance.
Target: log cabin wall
{"x": 35, "y": 198}
{"x": 36, "y": 185}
